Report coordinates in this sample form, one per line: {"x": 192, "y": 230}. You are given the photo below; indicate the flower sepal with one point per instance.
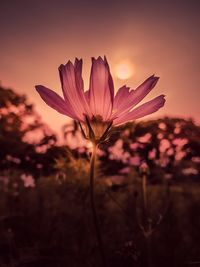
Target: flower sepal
{"x": 95, "y": 129}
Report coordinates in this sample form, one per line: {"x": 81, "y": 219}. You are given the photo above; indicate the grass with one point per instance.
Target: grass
{"x": 50, "y": 225}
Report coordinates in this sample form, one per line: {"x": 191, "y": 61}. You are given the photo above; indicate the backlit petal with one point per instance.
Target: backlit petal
{"x": 101, "y": 89}
{"x": 54, "y": 101}
{"x": 78, "y": 73}
{"x": 110, "y": 80}
{"x": 141, "y": 111}
{"x": 134, "y": 96}
{"x": 121, "y": 96}
{"x": 72, "y": 86}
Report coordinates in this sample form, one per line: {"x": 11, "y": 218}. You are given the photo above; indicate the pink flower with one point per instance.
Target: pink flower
{"x": 97, "y": 109}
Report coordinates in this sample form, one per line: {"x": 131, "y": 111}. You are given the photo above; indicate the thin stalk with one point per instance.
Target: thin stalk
{"x": 94, "y": 213}
{"x": 148, "y": 251}
{"x": 147, "y": 224}
{"x": 144, "y": 189}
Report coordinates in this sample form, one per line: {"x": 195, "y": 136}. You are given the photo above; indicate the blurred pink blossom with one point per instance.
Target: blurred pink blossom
{"x": 145, "y": 138}
{"x": 162, "y": 126}
{"x": 179, "y": 155}
{"x": 180, "y": 142}
{"x": 28, "y": 180}
{"x": 160, "y": 136}
{"x": 170, "y": 151}
{"x": 190, "y": 171}
{"x": 117, "y": 152}
{"x": 134, "y": 146}
{"x": 135, "y": 161}
{"x": 152, "y": 154}
{"x": 125, "y": 170}
{"x": 164, "y": 145}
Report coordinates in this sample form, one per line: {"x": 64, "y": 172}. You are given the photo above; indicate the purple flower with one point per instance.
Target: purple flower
{"x": 97, "y": 109}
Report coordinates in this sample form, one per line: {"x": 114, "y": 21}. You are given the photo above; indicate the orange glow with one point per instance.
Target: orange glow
{"x": 136, "y": 40}
{"x": 124, "y": 70}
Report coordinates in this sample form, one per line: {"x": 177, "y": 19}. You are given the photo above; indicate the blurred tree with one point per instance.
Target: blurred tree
{"x": 23, "y": 136}
{"x": 170, "y": 147}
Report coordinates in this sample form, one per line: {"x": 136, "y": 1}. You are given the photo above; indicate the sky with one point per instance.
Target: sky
{"x": 152, "y": 37}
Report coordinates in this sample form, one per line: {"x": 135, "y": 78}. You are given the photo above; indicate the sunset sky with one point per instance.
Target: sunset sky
{"x": 138, "y": 37}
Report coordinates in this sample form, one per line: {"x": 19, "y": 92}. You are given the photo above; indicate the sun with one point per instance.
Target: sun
{"x": 124, "y": 70}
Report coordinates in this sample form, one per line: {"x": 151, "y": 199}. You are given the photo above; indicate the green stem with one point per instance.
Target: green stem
{"x": 94, "y": 213}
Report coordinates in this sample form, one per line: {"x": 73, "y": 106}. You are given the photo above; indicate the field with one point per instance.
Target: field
{"x": 50, "y": 224}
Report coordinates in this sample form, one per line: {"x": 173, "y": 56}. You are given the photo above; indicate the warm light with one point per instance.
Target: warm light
{"x": 89, "y": 146}
{"x": 124, "y": 70}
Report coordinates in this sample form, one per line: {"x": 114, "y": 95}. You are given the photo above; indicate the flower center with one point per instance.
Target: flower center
{"x": 95, "y": 129}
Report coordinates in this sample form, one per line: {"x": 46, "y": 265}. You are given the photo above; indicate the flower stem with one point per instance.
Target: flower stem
{"x": 147, "y": 223}
{"x": 148, "y": 251}
{"x": 94, "y": 213}
{"x": 144, "y": 191}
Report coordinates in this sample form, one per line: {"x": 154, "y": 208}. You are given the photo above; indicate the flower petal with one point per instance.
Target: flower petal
{"x": 141, "y": 111}
{"x": 142, "y": 90}
{"x": 134, "y": 96}
{"x": 121, "y": 96}
{"x": 101, "y": 89}
{"x": 87, "y": 95}
{"x": 72, "y": 86}
{"x": 110, "y": 80}
{"x": 54, "y": 101}
{"x": 78, "y": 73}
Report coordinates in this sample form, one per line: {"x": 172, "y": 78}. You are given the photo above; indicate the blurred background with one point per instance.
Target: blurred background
{"x": 45, "y": 217}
